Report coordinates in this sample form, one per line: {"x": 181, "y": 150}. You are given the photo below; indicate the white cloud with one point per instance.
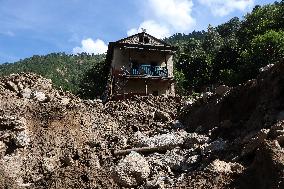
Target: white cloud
{"x": 225, "y": 7}
{"x": 165, "y": 17}
{"x": 90, "y": 46}
{"x": 152, "y": 27}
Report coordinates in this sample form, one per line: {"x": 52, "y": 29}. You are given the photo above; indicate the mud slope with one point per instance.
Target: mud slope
{"x": 52, "y": 139}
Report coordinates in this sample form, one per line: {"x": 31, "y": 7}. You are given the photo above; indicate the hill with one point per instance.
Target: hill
{"x": 68, "y": 72}
{"x": 232, "y": 52}
{"x": 229, "y": 54}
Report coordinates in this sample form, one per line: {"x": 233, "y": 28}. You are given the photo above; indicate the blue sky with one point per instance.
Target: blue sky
{"x": 38, "y": 27}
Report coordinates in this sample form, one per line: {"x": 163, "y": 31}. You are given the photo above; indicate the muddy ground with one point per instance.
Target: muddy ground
{"x": 53, "y": 139}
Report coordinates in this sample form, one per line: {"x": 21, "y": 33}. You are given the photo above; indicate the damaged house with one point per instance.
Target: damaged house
{"x": 140, "y": 65}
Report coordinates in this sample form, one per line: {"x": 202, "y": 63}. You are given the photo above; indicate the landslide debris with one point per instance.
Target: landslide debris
{"x": 53, "y": 139}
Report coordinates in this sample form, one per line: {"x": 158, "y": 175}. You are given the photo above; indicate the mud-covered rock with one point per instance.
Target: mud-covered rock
{"x": 131, "y": 170}
{"x": 225, "y": 167}
{"x": 166, "y": 141}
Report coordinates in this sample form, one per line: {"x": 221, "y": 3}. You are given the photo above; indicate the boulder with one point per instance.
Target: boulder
{"x": 22, "y": 139}
{"x": 131, "y": 171}
{"x": 26, "y": 93}
{"x": 12, "y": 86}
{"x": 166, "y": 141}
{"x": 39, "y": 96}
{"x": 218, "y": 166}
{"x": 217, "y": 145}
{"x": 193, "y": 139}
{"x": 163, "y": 116}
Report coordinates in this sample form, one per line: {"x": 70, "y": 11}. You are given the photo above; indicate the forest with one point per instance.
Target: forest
{"x": 229, "y": 54}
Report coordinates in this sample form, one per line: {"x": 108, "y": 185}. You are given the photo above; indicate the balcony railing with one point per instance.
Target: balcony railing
{"x": 149, "y": 70}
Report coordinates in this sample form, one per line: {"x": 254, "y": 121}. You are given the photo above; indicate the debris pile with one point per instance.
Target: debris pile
{"x": 53, "y": 139}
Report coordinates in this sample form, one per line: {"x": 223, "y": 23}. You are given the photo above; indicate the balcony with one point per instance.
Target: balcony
{"x": 148, "y": 70}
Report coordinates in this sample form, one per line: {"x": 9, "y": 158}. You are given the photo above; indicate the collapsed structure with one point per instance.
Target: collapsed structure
{"x": 141, "y": 65}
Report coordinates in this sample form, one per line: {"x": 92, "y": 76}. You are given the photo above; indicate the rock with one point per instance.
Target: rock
{"x": 160, "y": 181}
{"x": 26, "y": 93}
{"x": 39, "y": 96}
{"x": 65, "y": 101}
{"x": 175, "y": 159}
{"x": 163, "y": 116}
{"x": 277, "y": 129}
{"x": 50, "y": 163}
{"x": 192, "y": 159}
{"x": 266, "y": 68}
{"x": 193, "y": 139}
{"x": 217, "y": 145}
{"x": 167, "y": 141}
{"x": 66, "y": 160}
{"x": 132, "y": 170}
{"x": 254, "y": 142}
{"x": 224, "y": 167}
{"x": 177, "y": 124}
{"x": 22, "y": 139}
{"x": 3, "y": 148}
{"x": 222, "y": 89}
{"x": 12, "y": 123}
{"x": 12, "y": 86}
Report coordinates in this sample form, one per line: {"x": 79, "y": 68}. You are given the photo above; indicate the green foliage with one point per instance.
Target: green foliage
{"x": 268, "y": 48}
{"x": 66, "y": 71}
{"x": 228, "y": 54}
{"x": 181, "y": 82}
{"x": 232, "y": 52}
{"x": 94, "y": 81}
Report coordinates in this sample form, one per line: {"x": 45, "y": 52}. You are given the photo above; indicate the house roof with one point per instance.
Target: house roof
{"x": 141, "y": 40}
{"x": 134, "y": 39}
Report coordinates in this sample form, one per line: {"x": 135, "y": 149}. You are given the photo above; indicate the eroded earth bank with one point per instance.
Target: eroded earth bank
{"x": 52, "y": 139}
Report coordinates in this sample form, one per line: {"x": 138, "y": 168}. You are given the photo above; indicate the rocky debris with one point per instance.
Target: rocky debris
{"x": 39, "y": 96}
{"x": 176, "y": 124}
{"x": 12, "y": 123}
{"x": 163, "y": 116}
{"x": 57, "y": 140}
{"x": 254, "y": 141}
{"x": 217, "y": 145}
{"x": 266, "y": 68}
{"x": 224, "y": 167}
{"x": 221, "y": 90}
{"x": 266, "y": 171}
{"x": 166, "y": 141}
{"x": 22, "y": 139}
{"x": 194, "y": 140}
{"x": 26, "y": 93}
{"x": 132, "y": 170}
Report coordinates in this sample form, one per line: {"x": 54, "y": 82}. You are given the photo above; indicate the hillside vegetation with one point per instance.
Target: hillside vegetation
{"x": 230, "y": 53}
{"x": 74, "y": 73}
{"x": 233, "y": 52}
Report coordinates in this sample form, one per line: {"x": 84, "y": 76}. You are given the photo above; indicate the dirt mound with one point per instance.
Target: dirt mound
{"x": 53, "y": 139}
{"x": 248, "y": 118}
